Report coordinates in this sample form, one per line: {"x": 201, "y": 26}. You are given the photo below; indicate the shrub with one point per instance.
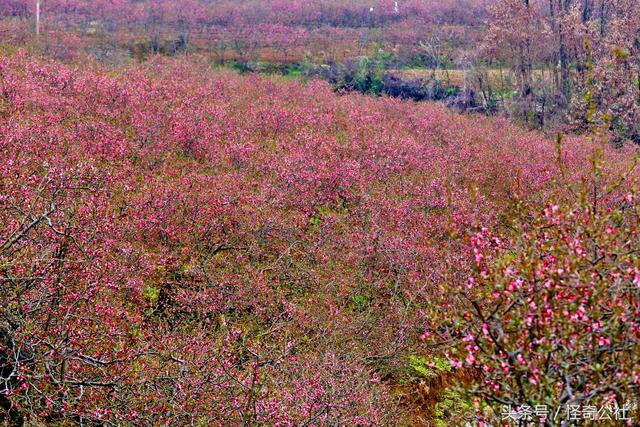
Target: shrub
{"x": 417, "y": 89}
{"x": 551, "y": 317}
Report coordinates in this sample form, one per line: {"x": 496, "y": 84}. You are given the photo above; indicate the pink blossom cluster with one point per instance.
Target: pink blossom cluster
{"x": 553, "y": 311}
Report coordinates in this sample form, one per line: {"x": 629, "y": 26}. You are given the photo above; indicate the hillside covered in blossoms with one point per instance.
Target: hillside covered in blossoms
{"x": 192, "y": 236}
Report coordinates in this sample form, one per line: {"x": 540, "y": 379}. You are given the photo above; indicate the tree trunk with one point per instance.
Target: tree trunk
{"x": 603, "y": 17}
{"x": 8, "y": 413}
{"x": 587, "y": 10}
{"x": 526, "y": 66}
{"x": 564, "y": 67}
{"x": 38, "y": 21}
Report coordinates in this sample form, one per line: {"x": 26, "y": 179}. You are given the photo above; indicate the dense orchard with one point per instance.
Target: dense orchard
{"x": 183, "y": 246}
{"x": 280, "y": 31}
{"x": 541, "y": 62}
{"x": 252, "y": 12}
